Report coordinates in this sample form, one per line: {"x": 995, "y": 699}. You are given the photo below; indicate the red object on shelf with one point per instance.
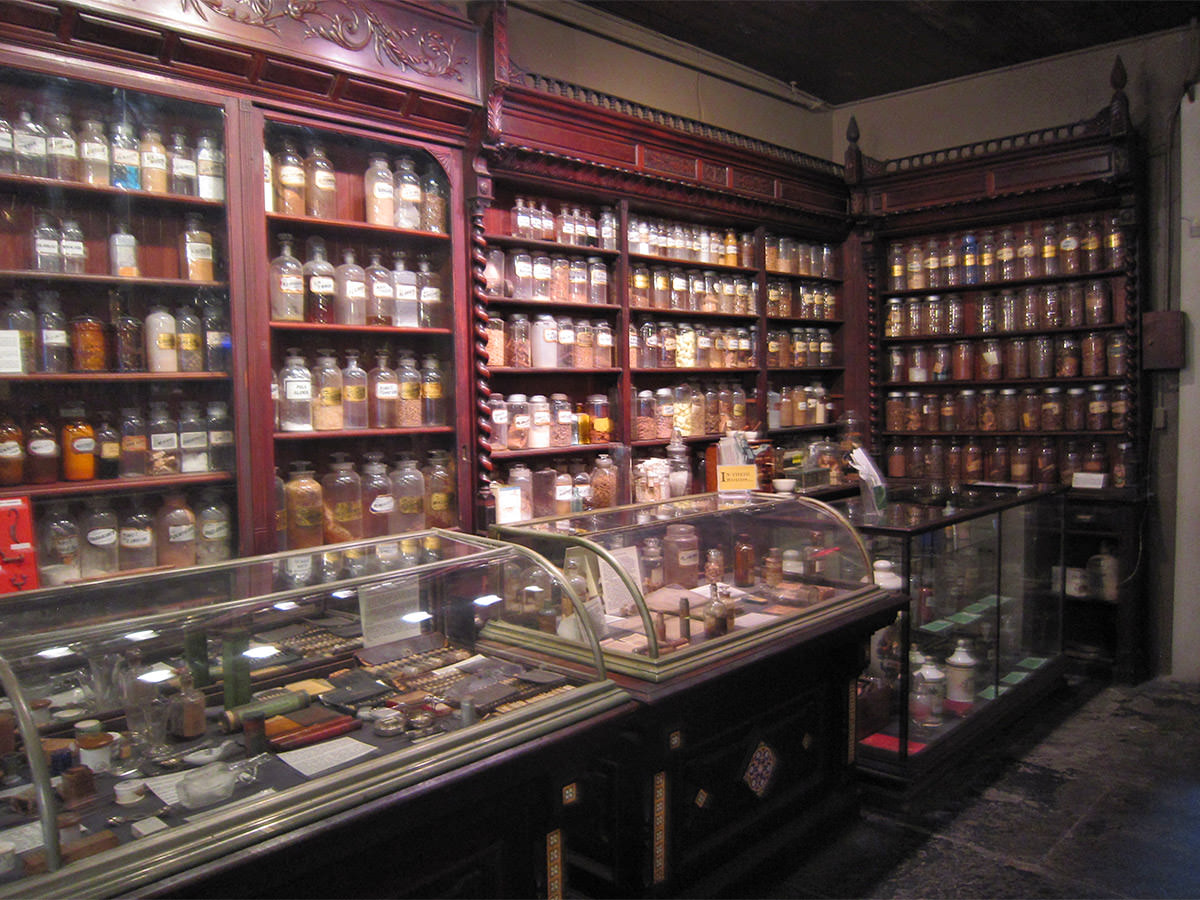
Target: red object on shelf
{"x": 18, "y": 558}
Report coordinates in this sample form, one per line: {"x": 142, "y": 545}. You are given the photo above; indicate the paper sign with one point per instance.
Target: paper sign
{"x": 737, "y": 478}
{"x": 383, "y": 607}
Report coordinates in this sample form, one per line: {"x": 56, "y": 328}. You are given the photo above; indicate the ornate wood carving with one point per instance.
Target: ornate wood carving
{"x": 479, "y": 202}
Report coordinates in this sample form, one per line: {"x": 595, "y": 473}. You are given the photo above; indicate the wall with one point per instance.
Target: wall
{"x": 611, "y": 56}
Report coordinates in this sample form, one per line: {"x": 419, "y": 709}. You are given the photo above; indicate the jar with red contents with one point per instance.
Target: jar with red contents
{"x": 897, "y": 461}
{"x": 1124, "y": 467}
{"x": 1016, "y": 358}
{"x": 1075, "y": 412}
{"x": 893, "y": 412}
{"x": 1008, "y": 414}
{"x": 948, "y": 412}
{"x": 988, "y": 362}
{"x": 963, "y": 361}
{"x": 935, "y": 460}
{"x": 1118, "y": 409}
{"x": 1092, "y": 353}
{"x": 1066, "y": 357}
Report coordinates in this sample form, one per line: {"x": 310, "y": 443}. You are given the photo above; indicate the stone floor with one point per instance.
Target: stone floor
{"x": 1098, "y": 796}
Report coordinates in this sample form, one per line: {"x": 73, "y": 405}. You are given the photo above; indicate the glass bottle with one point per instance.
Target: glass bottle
{"x": 210, "y": 168}
{"x": 29, "y": 144}
{"x": 72, "y": 249}
{"x": 134, "y": 444}
{"x": 1069, "y": 261}
{"x": 12, "y": 451}
{"x": 193, "y": 439}
{"x": 21, "y": 319}
{"x": 407, "y": 310}
{"x": 988, "y": 264}
{"x": 163, "y": 441}
{"x": 136, "y": 544}
{"x": 54, "y": 352}
{"x": 47, "y": 246}
{"x": 408, "y": 402}
{"x": 295, "y": 394}
{"x": 433, "y": 205}
{"x": 93, "y": 154}
{"x": 217, "y": 340}
{"x": 290, "y": 181}
{"x": 1092, "y": 247}
{"x": 429, "y": 288}
{"x": 539, "y": 422}
{"x": 603, "y": 482}
{"x": 354, "y": 394}
{"x": 221, "y": 451}
{"x": 175, "y": 532}
{"x": 286, "y": 284}
{"x": 407, "y": 193}
{"x": 341, "y": 490}
{"x": 440, "y": 508}
{"x": 350, "y": 287}
{"x": 320, "y": 288}
{"x": 62, "y": 156}
{"x": 433, "y": 401}
{"x": 123, "y": 253}
{"x": 381, "y": 293}
{"x": 327, "y": 412}
{"x": 408, "y": 496}
{"x": 98, "y": 548}
{"x": 1050, "y": 265}
{"x": 196, "y": 250}
{"x": 126, "y": 161}
{"x": 185, "y": 712}
{"x": 320, "y": 195}
{"x": 305, "y": 508}
{"x": 383, "y": 393}
{"x": 58, "y": 546}
{"x": 379, "y": 191}
{"x": 42, "y": 450}
{"x": 1006, "y": 255}
{"x": 78, "y": 445}
{"x": 189, "y": 340}
{"x": 153, "y": 159}
{"x": 181, "y": 166}
{"x": 89, "y": 344}
{"x": 1027, "y": 263}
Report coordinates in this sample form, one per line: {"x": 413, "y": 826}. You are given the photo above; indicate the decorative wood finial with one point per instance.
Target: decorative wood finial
{"x": 852, "y": 128}
{"x": 1118, "y": 78}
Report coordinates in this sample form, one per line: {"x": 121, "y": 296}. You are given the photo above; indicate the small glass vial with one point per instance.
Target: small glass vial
{"x": 379, "y": 191}
{"x": 354, "y": 393}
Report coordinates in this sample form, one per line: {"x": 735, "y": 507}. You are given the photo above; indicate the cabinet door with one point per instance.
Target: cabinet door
{"x": 120, "y": 371}
{"x": 358, "y": 278}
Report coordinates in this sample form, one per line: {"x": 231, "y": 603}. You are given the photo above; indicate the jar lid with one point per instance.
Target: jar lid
{"x": 516, "y": 398}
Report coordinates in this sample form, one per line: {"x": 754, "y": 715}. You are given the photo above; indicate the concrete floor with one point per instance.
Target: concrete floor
{"x": 1096, "y": 796}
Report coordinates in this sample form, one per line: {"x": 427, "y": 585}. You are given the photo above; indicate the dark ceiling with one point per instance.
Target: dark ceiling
{"x": 840, "y": 51}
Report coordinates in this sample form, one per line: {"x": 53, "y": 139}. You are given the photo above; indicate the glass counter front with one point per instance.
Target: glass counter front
{"x": 674, "y": 585}
{"x": 185, "y": 715}
{"x": 985, "y": 616}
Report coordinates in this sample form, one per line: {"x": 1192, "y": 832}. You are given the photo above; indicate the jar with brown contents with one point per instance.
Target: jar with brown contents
{"x": 1075, "y": 412}
{"x": 1066, "y": 357}
{"x": 1008, "y": 416}
{"x": 305, "y": 508}
{"x": 1092, "y": 354}
{"x": 1097, "y": 408}
{"x": 987, "y": 410}
{"x": 1052, "y": 409}
{"x": 89, "y": 344}
{"x": 894, "y": 412}
{"x": 604, "y": 482}
{"x": 988, "y": 363}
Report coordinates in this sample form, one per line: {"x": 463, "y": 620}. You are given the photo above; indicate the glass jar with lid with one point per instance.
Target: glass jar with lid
{"x": 1008, "y": 414}
{"x": 894, "y": 415}
{"x": 1067, "y": 357}
{"x": 1116, "y": 350}
{"x": 544, "y": 342}
{"x": 603, "y": 483}
{"x": 560, "y": 420}
{"x": 597, "y": 280}
{"x": 1075, "y": 409}
{"x": 498, "y": 410}
{"x": 685, "y": 346}
{"x": 542, "y": 272}
{"x": 1052, "y": 409}
{"x": 560, "y": 279}
{"x": 518, "y": 345}
{"x": 639, "y": 286}
{"x": 602, "y": 427}
{"x": 1016, "y": 358}
{"x": 1051, "y": 307}
{"x": 986, "y": 314}
{"x": 585, "y": 343}
{"x": 1092, "y": 354}
{"x": 968, "y": 410}
{"x": 1046, "y": 463}
{"x": 935, "y": 316}
{"x": 666, "y": 345}
{"x": 1098, "y": 414}
{"x": 681, "y": 556}
{"x": 664, "y": 413}
{"x": 1095, "y": 458}
{"x": 1073, "y": 313}
{"x": 1029, "y": 309}
{"x": 987, "y": 409}
{"x": 539, "y": 422}
{"x": 988, "y": 363}
{"x": 518, "y": 422}
{"x": 963, "y": 360}
{"x": 1030, "y": 409}
{"x": 604, "y": 345}
{"x": 1097, "y": 304}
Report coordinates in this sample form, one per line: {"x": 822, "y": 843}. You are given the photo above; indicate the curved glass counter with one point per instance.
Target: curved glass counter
{"x": 186, "y": 715}
{"x": 674, "y": 585}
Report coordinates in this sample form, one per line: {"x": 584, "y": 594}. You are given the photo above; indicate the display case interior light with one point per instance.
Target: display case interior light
{"x": 414, "y": 618}
{"x": 285, "y": 605}
{"x": 156, "y": 676}
{"x": 55, "y": 652}
{"x": 344, "y": 594}
{"x": 487, "y": 600}
{"x": 262, "y": 651}
{"x": 143, "y": 635}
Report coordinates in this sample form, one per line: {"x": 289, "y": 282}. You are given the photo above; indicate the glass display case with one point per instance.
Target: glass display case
{"x": 984, "y": 625}
{"x": 675, "y": 585}
{"x": 182, "y": 718}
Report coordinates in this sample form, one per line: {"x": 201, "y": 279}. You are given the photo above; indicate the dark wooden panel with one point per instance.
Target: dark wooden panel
{"x": 110, "y": 34}
{"x": 1053, "y": 171}
{"x": 433, "y": 109}
{"x": 288, "y": 74}
{"x": 666, "y": 163}
{"x": 374, "y": 94}
{"x": 944, "y": 189}
{"x": 714, "y": 174}
{"x": 189, "y": 53}
{"x": 753, "y": 183}
{"x": 1163, "y": 339}
{"x": 557, "y": 136}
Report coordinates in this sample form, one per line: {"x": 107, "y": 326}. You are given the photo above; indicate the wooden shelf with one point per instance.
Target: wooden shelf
{"x": 361, "y": 432}
{"x": 115, "y": 485}
{"x": 651, "y": 260}
{"x": 1053, "y": 381}
{"x": 353, "y": 226}
{"x": 691, "y": 314}
{"x": 564, "y": 305}
{"x": 1073, "y": 330}
{"x": 357, "y": 329}
{"x": 508, "y": 240}
{"x": 523, "y": 370}
{"x": 84, "y": 377}
{"x": 109, "y": 280}
{"x": 107, "y": 192}
{"x": 1016, "y": 283}
{"x": 572, "y": 450}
